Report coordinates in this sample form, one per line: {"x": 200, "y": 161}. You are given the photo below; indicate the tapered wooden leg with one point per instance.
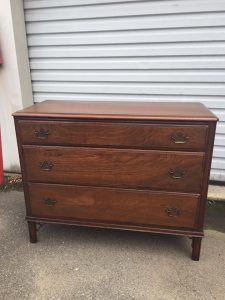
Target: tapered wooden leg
{"x": 32, "y": 231}
{"x": 196, "y": 247}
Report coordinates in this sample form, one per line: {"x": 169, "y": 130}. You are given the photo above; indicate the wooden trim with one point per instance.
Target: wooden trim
{"x": 167, "y": 111}
{"x": 206, "y": 173}
{"x": 85, "y": 223}
{"x": 23, "y": 169}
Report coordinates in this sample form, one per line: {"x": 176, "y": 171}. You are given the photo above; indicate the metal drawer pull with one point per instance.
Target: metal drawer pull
{"x": 179, "y": 138}
{"x": 173, "y": 211}
{"x": 41, "y": 133}
{"x": 176, "y": 173}
{"x": 49, "y": 201}
{"x": 46, "y": 165}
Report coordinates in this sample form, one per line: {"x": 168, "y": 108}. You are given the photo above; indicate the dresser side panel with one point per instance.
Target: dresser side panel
{"x": 206, "y": 174}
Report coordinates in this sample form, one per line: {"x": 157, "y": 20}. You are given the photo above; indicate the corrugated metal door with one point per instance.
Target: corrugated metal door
{"x": 131, "y": 50}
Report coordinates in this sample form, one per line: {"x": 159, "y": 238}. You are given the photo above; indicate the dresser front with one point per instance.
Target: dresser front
{"x": 128, "y": 174}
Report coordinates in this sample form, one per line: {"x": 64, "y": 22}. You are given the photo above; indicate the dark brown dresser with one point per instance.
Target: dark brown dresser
{"x": 124, "y": 165}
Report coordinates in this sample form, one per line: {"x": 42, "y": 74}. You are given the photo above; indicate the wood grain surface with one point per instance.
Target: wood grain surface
{"x": 119, "y": 110}
{"x": 132, "y": 135}
{"x": 115, "y": 167}
{"x": 113, "y": 205}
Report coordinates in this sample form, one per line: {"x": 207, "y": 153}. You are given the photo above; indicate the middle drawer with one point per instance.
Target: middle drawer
{"x": 128, "y": 168}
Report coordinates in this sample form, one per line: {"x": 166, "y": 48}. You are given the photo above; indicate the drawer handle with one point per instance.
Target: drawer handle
{"x": 46, "y": 165}
{"x": 173, "y": 211}
{"x": 176, "y": 173}
{"x": 179, "y": 138}
{"x": 49, "y": 201}
{"x": 41, "y": 133}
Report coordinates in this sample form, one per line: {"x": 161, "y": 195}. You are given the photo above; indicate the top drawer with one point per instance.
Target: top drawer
{"x": 132, "y": 135}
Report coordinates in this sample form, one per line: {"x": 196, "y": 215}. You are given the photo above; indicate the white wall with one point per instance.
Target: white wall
{"x": 15, "y": 83}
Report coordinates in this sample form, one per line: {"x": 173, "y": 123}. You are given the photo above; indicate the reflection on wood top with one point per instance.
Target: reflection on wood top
{"x": 119, "y": 110}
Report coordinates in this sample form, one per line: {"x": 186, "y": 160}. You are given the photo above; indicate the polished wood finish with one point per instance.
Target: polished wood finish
{"x": 196, "y": 246}
{"x": 114, "y": 167}
{"x": 130, "y": 166}
{"x": 32, "y": 227}
{"x": 164, "y": 111}
{"x": 113, "y": 205}
{"x": 110, "y": 225}
{"x": 130, "y": 135}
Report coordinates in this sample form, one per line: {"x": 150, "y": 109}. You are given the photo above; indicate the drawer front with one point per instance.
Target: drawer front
{"x": 113, "y": 134}
{"x": 160, "y": 170}
{"x": 113, "y": 205}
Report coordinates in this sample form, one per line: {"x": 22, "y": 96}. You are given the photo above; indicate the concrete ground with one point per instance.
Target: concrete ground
{"x": 80, "y": 263}
{"x": 216, "y": 192}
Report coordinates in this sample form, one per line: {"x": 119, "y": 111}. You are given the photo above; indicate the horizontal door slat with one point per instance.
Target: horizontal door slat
{"x": 141, "y": 63}
{"x": 132, "y": 23}
{"x": 134, "y": 88}
{"x": 163, "y": 76}
{"x": 128, "y": 37}
{"x": 124, "y": 9}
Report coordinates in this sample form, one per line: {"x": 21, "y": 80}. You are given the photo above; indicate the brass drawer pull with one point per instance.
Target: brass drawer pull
{"x": 179, "y": 138}
{"x": 176, "y": 173}
{"x": 49, "y": 201}
{"x": 173, "y": 211}
{"x": 46, "y": 165}
{"x": 41, "y": 133}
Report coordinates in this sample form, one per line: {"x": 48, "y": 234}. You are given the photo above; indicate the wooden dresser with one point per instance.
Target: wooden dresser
{"x": 124, "y": 165}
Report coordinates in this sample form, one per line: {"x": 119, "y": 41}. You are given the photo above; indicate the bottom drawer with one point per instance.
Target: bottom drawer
{"x": 113, "y": 205}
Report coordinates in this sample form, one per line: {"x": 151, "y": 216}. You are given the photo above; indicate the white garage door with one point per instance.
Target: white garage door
{"x": 131, "y": 50}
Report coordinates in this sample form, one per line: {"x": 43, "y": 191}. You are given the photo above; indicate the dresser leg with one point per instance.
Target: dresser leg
{"x": 196, "y": 247}
{"x": 32, "y": 231}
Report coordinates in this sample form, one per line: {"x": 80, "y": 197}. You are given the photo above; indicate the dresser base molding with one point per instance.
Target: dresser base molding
{"x": 151, "y": 229}
{"x": 196, "y": 236}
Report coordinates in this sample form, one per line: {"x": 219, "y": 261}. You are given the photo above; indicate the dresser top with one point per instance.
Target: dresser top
{"x": 119, "y": 110}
